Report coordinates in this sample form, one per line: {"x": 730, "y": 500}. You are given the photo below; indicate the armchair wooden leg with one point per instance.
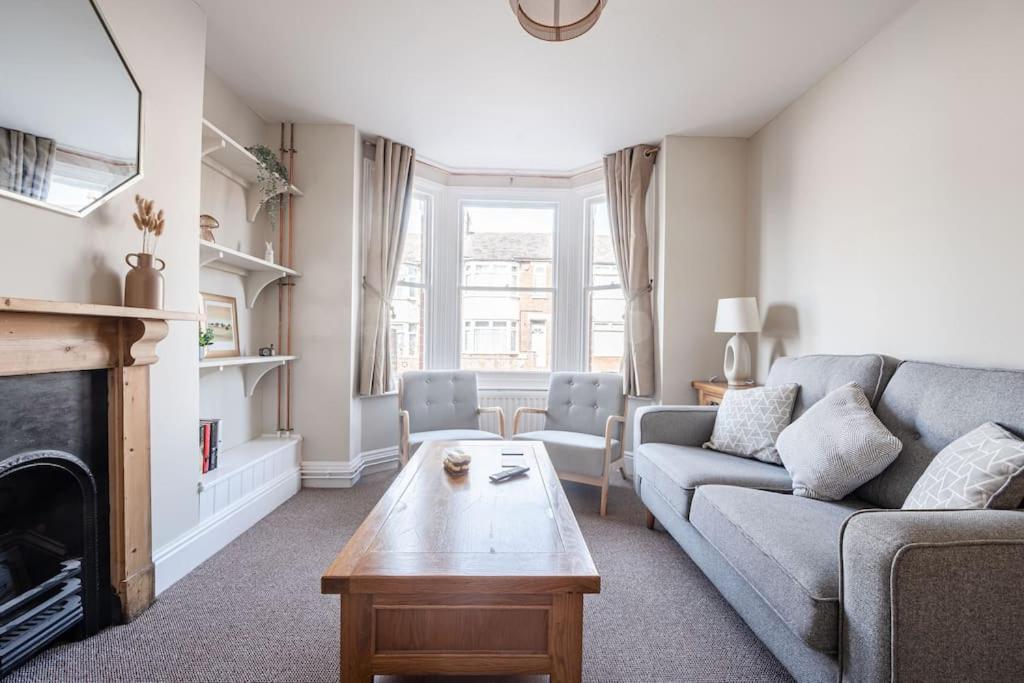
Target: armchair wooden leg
{"x": 604, "y": 498}
{"x": 650, "y": 519}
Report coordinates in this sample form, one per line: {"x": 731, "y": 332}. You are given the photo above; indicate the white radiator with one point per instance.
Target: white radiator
{"x": 508, "y": 400}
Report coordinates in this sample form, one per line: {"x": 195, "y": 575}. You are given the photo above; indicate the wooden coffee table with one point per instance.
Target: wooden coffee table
{"x": 462, "y": 576}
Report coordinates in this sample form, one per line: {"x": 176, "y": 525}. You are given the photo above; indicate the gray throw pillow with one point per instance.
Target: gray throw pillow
{"x": 749, "y": 421}
{"x": 982, "y": 469}
{"x": 836, "y": 445}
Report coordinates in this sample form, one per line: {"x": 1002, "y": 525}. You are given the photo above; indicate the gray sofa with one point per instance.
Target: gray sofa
{"x": 856, "y": 590}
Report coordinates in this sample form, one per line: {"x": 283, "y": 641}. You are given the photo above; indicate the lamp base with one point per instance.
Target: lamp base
{"x": 737, "y": 361}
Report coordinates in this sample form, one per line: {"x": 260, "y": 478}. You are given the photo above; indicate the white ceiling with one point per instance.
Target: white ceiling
{"x": 467, "y": 87}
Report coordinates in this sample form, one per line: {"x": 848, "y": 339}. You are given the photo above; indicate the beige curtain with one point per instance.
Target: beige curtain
{"x": 390, "y": 197}
{"x": 26, "y": 163}
{"x": 627, "y": 173}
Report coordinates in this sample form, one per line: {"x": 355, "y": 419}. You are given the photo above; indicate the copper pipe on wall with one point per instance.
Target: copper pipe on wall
{"x": 291, "y": 253}
{"x": 280, "y": 300}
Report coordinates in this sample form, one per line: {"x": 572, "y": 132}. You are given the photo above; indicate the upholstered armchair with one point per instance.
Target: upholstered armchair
{"x": 440, "y": 405}
{"x": 583, "y": 426}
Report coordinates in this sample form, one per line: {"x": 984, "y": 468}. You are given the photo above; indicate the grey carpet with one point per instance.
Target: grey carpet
{"x": 254, "y": 612}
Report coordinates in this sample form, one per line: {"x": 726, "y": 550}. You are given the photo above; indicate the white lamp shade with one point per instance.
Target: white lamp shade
{"x": 738, "y": 314}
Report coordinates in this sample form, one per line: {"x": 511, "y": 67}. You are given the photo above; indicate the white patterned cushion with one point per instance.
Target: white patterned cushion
{"x": 984, "y": 468}
{"x": 749, "y": 421}
{"x": 836, "y": 446}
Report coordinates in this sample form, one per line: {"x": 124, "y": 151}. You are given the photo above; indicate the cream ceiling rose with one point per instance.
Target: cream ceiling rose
{"x": 557, "y": 20}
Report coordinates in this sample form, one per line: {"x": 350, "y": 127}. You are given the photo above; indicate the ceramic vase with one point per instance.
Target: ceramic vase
{"x": 144, "y": 284}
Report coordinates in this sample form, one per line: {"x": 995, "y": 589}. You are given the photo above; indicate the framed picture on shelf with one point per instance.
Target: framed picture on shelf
{"x": 222, "y": 319}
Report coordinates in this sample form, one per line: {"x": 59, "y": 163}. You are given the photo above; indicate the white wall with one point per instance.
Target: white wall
{"x": 700, "y": 231}
{"x": 50, "y": 256}
{"x": 326, "y": 252}
{"x": 887, "y": 203}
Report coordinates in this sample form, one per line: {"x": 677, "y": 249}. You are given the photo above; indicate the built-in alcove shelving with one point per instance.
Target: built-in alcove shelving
{"x": 253, "y": 367}
{"x": 256, "y": 273}
{"x": 258, "y": 467}
{"x": 234, "y": 160}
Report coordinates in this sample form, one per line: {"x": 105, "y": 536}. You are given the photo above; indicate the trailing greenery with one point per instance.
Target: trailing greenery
{"x": 272, "y": 175}
{"x": 205, "y": 336}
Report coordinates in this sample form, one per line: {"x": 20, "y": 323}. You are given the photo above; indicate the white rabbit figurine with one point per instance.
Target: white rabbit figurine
{"x": 268, "y": 255}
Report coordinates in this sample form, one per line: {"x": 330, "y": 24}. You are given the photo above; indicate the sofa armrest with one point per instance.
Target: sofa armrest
{"x": 932, "y": 594}
{"x": 679, "y": 425}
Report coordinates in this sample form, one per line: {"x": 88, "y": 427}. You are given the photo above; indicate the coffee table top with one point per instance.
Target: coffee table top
{"x": 435, "y": 533}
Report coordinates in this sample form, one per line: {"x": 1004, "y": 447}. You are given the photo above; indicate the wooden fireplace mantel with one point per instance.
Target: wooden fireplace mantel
{"x": 52, "y": 336}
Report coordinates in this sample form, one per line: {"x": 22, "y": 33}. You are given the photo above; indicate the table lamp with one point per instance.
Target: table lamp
{"x": 736, "y": 316}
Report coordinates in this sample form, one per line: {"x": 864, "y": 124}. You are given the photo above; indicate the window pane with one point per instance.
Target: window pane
{"x": 518, "y": 235}
{"x": 602, "y": 258}
{"x": 506, "y": 331}
{"x": 408, "y": 303}
{"x": 607, "y": 329}
{"x": 415, "y": 241}
{"x": 407, "y": 325}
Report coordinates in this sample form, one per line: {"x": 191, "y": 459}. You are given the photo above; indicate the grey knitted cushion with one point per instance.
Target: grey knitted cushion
{"x": 836, "y": 446}
{"x": 749, "y": 421}
{"x": 984, "y": 468}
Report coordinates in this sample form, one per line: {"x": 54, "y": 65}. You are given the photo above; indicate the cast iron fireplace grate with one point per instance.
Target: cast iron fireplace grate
{"x": 40, "y": 596}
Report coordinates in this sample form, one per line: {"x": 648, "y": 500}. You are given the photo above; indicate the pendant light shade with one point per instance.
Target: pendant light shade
{"x": 557, "y": 20}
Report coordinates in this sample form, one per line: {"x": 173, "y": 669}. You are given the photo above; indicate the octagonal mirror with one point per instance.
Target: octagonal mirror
{"x": 70, "y": 109}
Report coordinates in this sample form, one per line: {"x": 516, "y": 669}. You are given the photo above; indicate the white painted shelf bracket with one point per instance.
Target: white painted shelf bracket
{"x": 256, "y": 281}
{"x": 252, "y": 374}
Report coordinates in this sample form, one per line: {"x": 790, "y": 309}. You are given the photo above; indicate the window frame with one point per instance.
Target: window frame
{"x": 461, "y": 287}
{"x": 589, "y": 287}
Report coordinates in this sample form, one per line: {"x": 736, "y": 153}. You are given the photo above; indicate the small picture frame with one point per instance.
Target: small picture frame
{"x": 222, "y": 318}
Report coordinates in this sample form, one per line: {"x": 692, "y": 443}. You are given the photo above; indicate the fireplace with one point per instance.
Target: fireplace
{"x": 75, "y": 536}
{"x": 54, "y": 541}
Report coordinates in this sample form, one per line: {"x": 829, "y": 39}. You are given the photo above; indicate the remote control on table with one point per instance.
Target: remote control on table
{"x": 508, "y": 473}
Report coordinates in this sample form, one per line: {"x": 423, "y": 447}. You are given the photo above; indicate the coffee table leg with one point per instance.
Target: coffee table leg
{"x": 567, "y": 638}
{"x": 356, "y": 619}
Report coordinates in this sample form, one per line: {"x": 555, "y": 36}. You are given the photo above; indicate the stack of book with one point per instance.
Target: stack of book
{"x": 209, "y": 442}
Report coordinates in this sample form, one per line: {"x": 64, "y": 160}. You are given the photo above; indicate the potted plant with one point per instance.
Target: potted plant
{"x": 272, "y": 178}
{"x": 205, "y": 341}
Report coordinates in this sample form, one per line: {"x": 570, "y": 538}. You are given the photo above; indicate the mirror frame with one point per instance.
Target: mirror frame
{"x": 118, "y": 189}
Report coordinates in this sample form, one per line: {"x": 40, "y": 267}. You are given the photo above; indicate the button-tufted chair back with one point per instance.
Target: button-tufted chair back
{"x": 440, "y": 399}
{"x": 583, "y": 401}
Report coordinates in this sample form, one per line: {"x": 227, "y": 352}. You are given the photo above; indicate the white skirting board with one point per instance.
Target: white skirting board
{"x": 181, "y": 556}
{"x": 342, "y": 475}
{"x": 256, "y": 478}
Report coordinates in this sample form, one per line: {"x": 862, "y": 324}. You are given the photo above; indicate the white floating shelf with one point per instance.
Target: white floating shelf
{"x": 222, "y": 153}
{"x": 249, "y": 454}
{"x": 253, "y": 367}
{"x": 256, "y": 272}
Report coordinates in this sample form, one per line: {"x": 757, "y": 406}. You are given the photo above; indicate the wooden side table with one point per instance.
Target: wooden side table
{"x": 711, "y": 393}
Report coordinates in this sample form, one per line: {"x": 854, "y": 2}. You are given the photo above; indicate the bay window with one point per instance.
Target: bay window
{"x": 510, "y": 282}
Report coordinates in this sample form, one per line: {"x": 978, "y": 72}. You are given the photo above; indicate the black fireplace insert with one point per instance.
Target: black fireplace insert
{"x": 54, "y": 512}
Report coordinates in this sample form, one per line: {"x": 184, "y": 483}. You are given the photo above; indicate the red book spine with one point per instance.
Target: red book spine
{"x": 206, "y": 447}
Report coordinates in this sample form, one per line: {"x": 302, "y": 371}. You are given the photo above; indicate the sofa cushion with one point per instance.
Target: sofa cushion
{"x": 927, "y": 406}
{"x": 675, "y": 472}
{"x": 573, "y": 452}
{"x": 786, "y": 547}
{"x": 750, "y": 421}
{"x": 982, "y": 469}
{"x": 836, "y": 446}
{"x": 416, "y": 438}
{"x": 818, "y": 375}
